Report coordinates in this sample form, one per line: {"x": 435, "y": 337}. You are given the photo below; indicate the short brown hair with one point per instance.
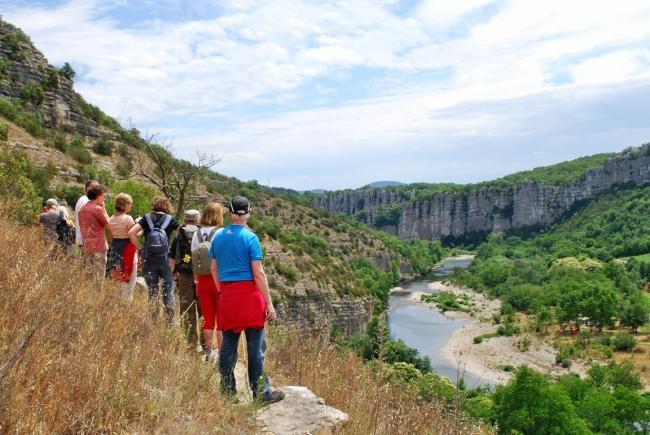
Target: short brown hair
{"x": 212, "y": 215}
{"x": 96, "y": 191}
{"x": 121, "y": 201}
{"x": 160, "y": 203}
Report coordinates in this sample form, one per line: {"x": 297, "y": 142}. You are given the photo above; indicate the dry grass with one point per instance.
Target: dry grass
{"x": 375, "y": 404}
{"x": 76, "y": 359}
{"x": 93, "y": 364}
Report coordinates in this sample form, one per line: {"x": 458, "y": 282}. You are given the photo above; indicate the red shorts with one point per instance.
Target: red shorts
{"x": 206, "y": 290}
{"x": 241, "y": 306}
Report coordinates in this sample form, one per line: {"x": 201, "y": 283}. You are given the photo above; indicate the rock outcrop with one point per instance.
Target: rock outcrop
{"x": 486, "y": 209}
{"x": 301, "y": 412}
{"x": 23, "y": 67}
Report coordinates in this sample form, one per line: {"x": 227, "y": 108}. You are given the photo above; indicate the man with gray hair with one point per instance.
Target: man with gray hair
{"x": 180, "y": 259}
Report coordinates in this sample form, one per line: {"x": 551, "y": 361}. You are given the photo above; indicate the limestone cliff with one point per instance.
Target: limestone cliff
{"x": 26, "y": 74}
{"x": 484, "y": 209}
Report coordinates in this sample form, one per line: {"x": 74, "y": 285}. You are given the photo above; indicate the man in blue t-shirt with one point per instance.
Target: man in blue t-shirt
{"x": 244, "y": 301}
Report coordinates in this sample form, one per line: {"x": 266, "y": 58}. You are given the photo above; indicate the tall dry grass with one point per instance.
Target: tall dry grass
{"x": 375, "y": 403}
{"x": 74, "y": 358}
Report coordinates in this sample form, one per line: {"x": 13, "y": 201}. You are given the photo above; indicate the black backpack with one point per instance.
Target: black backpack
{"x": 156, "y": 244}
{"x": 183, "y": 253}
{"x": 64, "y": 231}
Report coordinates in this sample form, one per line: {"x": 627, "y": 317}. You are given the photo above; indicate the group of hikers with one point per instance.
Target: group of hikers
{"x": 216, "y": 270}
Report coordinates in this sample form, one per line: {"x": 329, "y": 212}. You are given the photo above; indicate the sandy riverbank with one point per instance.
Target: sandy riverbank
{"x": 487, "y": 359}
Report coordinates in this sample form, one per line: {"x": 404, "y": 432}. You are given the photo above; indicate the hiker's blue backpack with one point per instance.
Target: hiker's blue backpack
{"x": 156, "y": 244}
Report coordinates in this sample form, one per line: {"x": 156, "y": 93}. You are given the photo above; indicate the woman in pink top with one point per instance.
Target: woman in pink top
{"x": 119, "y": 225}
{"x": 93, "y": 220}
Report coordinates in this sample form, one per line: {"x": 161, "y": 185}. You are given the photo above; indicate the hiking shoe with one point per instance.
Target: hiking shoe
{"x": 274, "y": 396}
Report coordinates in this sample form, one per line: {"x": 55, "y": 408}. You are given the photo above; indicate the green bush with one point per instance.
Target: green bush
{"x": 16, "y": 187}
{"x": 77, "y": 150}
{"x": 623, "y": 341}
{"x": 18, "y": 42}
{"x": 104, "y": 146}
{"x": 432, "y": 386}
{"x": 13, "y": 110}
{"x": 478, "y": 339}
{"x": 51, "y": 81}
{"x": 4, "y": 67}
{"x": 4, "y": 131}
{"x": 404, "y": 372}
{"x": 288, "y": 272}
{"x": 32, "y": 93}
{"x": 141, "y": 193}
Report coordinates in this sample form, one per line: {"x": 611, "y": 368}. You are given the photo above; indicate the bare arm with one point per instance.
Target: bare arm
{"x": 263, "y": 285}
{"x": 134, "y": 235}
{"x": 214, "y": 271}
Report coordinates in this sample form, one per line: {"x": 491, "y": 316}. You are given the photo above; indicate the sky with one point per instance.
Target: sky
{"x": 338, "y": 94}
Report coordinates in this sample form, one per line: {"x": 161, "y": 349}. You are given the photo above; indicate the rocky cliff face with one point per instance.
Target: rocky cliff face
{"x": 24, "y": 69}
{"x": 483, "y": 210}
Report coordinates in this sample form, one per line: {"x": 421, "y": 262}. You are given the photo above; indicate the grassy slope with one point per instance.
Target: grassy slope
{"x": 77, "y": 374}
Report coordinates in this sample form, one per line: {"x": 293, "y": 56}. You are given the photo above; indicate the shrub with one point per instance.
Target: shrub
{"x": 104, "y": 146}
{"x": 70, "y": 192}
{"x": 4, "y": 67}
{"x": 32, "y": 93}
{"x": 404, "y": 372}
{"x": 288, "y": 272}
{"x": 478, "y": 339}
{"x": 16, "y": 187}
{"x": 140, "y": 192}
{"x": 17, "y": 41}
{"x": 77, "y": 150}
{"x": 51, "y": 81}
{"x": 623, "y": 341}
{"x": 432, "y": 386}
{"x": 4, "y": 131}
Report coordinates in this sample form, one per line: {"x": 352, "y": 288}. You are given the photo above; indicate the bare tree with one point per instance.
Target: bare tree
{"x": 176, "y": 178}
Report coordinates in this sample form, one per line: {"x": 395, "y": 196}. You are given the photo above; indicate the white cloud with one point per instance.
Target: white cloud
{"x": 260, "y": 57}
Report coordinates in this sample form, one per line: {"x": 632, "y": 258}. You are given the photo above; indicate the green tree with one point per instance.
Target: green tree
{"x": 599, "y": 302}
{"x": 67, "y": 71}
{"x": 530, "y": 405}
{"x": 141, "y": 193}
{"x": 634, "y": 313}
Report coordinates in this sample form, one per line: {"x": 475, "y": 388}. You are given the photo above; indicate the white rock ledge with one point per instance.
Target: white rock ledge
{"x": 301, "y": 412}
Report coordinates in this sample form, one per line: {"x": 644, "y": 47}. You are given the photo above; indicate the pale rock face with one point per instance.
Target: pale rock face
{"x": 60, "y": 107}
{"x": 527, "y": 206}
{"x": 301, "y": 412}
{"x": 322, "y": 310}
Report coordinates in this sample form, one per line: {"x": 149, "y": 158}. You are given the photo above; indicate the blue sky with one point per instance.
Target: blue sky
{"x": 337, "y": 94}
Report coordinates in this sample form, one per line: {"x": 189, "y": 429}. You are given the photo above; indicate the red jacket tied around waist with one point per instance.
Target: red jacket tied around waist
{"x": 241, "y": 306}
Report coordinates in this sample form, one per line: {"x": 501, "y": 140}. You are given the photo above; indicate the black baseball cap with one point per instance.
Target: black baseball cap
{"x": 240, "y": 205}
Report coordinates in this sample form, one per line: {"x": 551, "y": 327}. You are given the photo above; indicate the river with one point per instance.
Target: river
{"x": 427, "y": 329}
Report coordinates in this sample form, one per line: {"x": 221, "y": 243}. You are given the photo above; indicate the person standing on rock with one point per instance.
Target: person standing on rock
{"x": 80, "y": 203}
{"x": 244, "y": 301}
{"x": 180, "y": 258}
{"x": 93, "y": 220}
